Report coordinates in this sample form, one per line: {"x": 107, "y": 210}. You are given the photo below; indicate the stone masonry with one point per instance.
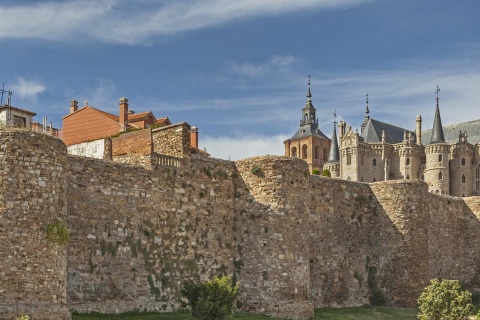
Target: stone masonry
{"x": 293, "y": 240}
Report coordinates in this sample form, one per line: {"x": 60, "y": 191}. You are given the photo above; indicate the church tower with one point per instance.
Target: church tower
{"x": 309, "y": 143}
{"x": 437, "y": 173}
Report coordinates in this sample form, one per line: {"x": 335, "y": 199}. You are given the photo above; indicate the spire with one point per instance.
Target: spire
{"x": 366, "y": 109}
{"x": 437, "y": 130}
{"x": 333, "y": 156}
{"x": 309, "y": 94}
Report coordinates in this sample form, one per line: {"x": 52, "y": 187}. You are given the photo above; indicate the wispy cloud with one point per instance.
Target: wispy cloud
{"x": 121, "y": 22}
{"x": 28, "y": 89}
{"x": 276, "y": 63}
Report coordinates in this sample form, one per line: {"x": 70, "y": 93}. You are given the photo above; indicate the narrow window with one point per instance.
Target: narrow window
{"x": 422, "y": 178}
{"x": 463, "y": 161}
{"x": 463, "y": 179}
{"x": 408, "y": 177}
{"x": 349, "y": 159}
{"x": 294, "y": 152}
{"x": 316, "y": 153}
{"x": 440, "y": 157}
{"x": 408, "y": 161}
{"x": 374, "y": 179}
{"x": 374, "y": 162}
{"x": 325, "y": 154}
{"x": 304, "y": 151}
{"x": 440, "y": 175}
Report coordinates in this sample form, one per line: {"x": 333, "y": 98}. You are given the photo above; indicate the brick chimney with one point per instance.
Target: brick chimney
{"x": 123, "y": 113}
{"x": 194, "y": 137}
{"x": 73, "y": 106}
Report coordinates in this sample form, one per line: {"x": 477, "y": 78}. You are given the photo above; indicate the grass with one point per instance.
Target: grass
{"x": 359, "y": 313}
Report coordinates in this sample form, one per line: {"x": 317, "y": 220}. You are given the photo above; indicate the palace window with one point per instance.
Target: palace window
{"x": 374, "y": 162}
{"x": 304, "y": 151}
{"x": 440, "y": 175}
{"x": 349, "y": 159}
{"x": 325, "y": 154}
{"x": 374, "y": 179}
{"x": 407, "y": 161}
{"x": 463, "y": 161}
{"x": 440, "y": 157}
{"x": 408, "y": 177}
{"x": 463, "y": 179}
{"x": 316, "y": 153}
{"x": 294, "y": 152}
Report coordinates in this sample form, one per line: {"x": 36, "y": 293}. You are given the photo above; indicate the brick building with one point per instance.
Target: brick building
{"x": 87, "y": 123}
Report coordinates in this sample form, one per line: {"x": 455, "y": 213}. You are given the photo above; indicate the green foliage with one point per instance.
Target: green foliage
{"x": 376, "y": 298}
{"x": 478, "y": 316}
{"x": 23, "y": 317}
{"x": 57, "y": 232}
{"x": 326, "y": 173}
{"x": 316, "y": 171}
{"x": 211, "y": 300}
{"x": 444, "y": 300}
{"x": 255, "y": 170}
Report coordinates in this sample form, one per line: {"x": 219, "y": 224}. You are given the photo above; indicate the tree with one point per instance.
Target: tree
{"x": 444, "y": 300}
{"x": 211, "y": 300}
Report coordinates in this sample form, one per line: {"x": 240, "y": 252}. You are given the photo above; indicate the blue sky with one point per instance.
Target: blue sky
{"x": 238, "y": 70}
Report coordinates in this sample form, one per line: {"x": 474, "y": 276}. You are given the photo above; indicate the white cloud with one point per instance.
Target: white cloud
{"x": 241, "y": 147}
{"x": 121, "y": 22}
{"x": 27, "y": 89}
{"x": 276, "y": 63}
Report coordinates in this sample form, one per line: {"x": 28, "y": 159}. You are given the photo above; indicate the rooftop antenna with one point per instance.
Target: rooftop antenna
{"x": 9, "y": 92}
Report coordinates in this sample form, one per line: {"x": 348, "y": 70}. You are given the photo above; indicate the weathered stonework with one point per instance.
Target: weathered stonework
{"x": 293, "y": 240}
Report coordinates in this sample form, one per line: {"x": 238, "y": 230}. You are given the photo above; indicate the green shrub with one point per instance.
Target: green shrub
{"x": 255, "y": 170}
{"x": 316, "y": 171}
{"x": 23, "y": 317}
{"x": 57, "y": 232}
{"x": 211, "y": 300}
{"x": 478, "y": 316}
{"x": 326, "y": 173}
{"x": 444, "y": 300}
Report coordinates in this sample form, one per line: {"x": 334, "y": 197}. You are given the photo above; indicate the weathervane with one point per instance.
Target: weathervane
{"x": 437, "y": 91}
{"x": 335, "y": 117}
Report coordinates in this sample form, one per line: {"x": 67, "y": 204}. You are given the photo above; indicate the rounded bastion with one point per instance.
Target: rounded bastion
{"x": 33, "y": 171}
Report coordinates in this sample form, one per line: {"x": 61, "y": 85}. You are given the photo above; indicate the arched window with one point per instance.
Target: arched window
{"x": 305, "y": 118}
{"x": 440, "y": 175}
{"x": 407, "y": 161}
{"x": 422, "y": 178}
{"x": 408, "y": 177}
{"x": 349, "y": 159}
{"x": 316, "y": 153}
{"x": 304, "y": 151}
{"x": 361, "y": 179}
{"x": 374, "y": 179}
{"x": 463, "y": 161}
{"x": 374, "y": 162}
{"x": 440, "y": 157}
{"x": 294, "y": 152}
{"x": 463, "y": 179}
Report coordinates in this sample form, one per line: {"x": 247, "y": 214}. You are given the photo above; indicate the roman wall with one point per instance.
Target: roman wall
{"x": 293, "y": 240}
{"x": 33, "y": 173}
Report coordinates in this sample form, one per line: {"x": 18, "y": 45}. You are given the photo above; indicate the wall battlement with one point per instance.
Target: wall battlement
{"x": 294, "y": 241}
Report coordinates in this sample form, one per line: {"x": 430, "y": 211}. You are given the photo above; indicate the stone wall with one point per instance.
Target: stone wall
{"x": 173, "y": 140}
{"x": 32, "y": 195}
{"x": 93, "y": 149}
{"x": 294, "y": 241}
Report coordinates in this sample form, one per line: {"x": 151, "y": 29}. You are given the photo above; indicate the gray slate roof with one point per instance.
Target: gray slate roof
{"x": 310, "y": 130}
{"x": 334, "y": 155}
{"x": 451, "y": 132}
{"x": 437, "y": 130}
{"x": 373, "y": 132}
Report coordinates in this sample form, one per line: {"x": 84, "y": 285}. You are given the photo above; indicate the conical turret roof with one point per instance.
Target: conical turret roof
{"x": 437, "y": 130}
{"x": 334, "y": 155}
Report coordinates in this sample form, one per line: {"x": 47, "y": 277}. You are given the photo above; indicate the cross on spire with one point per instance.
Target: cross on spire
{"x": 437, "y": 91}
{"x": 366, "y": 108}
{"x": 309, "y": 94}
